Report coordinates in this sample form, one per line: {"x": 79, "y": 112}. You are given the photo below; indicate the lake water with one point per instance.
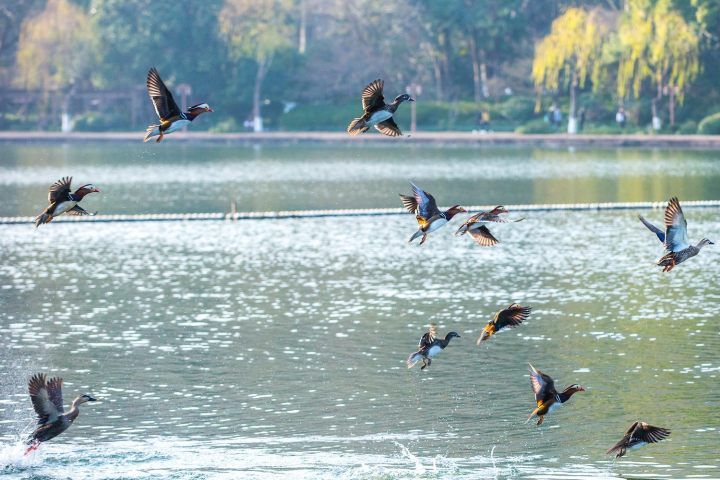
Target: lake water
{"x": 270, "y": 349}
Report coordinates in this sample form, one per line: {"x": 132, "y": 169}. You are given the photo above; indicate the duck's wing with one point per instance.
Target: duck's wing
{"x": 165, "y": 105}
{"x": 372, "y": 96}
{"x": 483, "y": 237}
{"x": 79, "y": 211}
{"x": 660, "y": 234}
{"x": 543, "y": 386}
{"x": 60, "y": 190}
{"x": 647, "y": 433}
{"x": 426, "y": 204}
{"x": 46, "y": 397}
{"x": 676, "y": 238}
{"x": 512, "y": 316}
{"x": 389, "y": 128}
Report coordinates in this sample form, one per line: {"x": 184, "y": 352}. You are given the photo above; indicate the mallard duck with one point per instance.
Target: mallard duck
{"x": 479, "y": 232}
{"x": 547, "y": 398}
{"x": 639, "y": 434}
{"x": 426, "y": 211}
{"x": 429, "y": 350}
{"x": 675, "y": 238}
{"x": 377, "y": 113}
{"x": 62, "y": 201}
{"x": 171, "y": 118}
{"x": 47, "y": 400}
{"x": 509, "y": 317}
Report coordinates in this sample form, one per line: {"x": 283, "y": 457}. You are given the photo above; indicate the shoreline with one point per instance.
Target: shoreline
{"x": 419, "y": 138}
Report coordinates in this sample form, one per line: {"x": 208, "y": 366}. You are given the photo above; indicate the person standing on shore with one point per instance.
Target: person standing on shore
{"x": 620, "y": 118}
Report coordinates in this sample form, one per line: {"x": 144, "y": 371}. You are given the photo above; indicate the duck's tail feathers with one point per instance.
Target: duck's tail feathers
{"x": 151, "y": 131}
{"x": 534, "y": 412}
{"x": 415, "y": 235}
{"x": 42, "y": 219}
{"x": 413, "y": 359}
{"x": 357, "y": 126}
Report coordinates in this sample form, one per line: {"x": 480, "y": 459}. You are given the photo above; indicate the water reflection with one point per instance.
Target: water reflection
{"x": 270, "y": 340}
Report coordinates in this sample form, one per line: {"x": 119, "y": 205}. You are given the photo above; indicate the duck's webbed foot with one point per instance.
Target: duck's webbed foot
{"x": 542, "y": 418}
{"x": 160, "y": 137}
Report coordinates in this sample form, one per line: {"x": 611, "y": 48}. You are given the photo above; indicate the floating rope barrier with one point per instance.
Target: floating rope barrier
{"x": 286, "y": 214}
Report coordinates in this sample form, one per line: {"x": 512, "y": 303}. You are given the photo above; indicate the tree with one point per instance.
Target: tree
{"x": 56, "y": 50}
{"x": 258, "y": 30}
{"x": 659, "y": 46}
{"x": 570, "y": 54}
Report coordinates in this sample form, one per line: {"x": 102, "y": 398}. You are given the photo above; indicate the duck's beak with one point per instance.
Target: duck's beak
{"x": 91, "y": 399}
{"x": 581, "y": 389}
{"x": 97, "y": 190}
{"x": 210, "y": 109}
{"x": 411, "y": 99}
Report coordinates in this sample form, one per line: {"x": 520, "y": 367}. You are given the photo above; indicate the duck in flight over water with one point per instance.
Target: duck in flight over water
{"x": 62, "y": 201}
{"x": 377, "y": 113}
{"x": 427, "y": 213}
{"x": 47, "y": 400}
{"x": 675, "y": 237}
{"x": 171, "y": 118}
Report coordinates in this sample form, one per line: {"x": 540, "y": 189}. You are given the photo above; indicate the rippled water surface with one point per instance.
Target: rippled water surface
{"x": 180, "y": 178}
{"x": 272, "y": 349}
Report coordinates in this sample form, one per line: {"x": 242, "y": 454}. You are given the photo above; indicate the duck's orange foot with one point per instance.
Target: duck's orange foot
{"x": 32, "y": 448}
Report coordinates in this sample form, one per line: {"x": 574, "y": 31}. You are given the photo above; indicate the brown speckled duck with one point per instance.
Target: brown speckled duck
{"x": 62, "y": 201}
{"x": 675, "y": 237}
{"x": 47, "y": 400}
{"x": 547, "y": 398}
{"x": 475, "y": 225}
{"x": 639, "y": 434}
{"x": 427, "y": 213}
{"x": 509, "y": 317}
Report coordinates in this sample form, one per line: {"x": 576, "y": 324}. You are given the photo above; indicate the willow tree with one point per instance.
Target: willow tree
{"x": 56, "y": 50}
{"x": 257, "y": 30}
{"x": 570, "y": 55}
{"x": 657, "y": 46}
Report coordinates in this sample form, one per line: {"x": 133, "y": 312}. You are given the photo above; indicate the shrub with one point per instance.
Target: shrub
{"x": 710, "y": 125}
{"x": 536, "y": 126}
{"x": 688, "y": 127}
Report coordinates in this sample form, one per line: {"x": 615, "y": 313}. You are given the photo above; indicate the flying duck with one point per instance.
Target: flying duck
{"x": 479, "y": 232}
{"x": 429, "y": 350}
{"x": 675, "y": 238}
{"x": 171, "y": 118}
{"x": 62, "y": 201}
{"x": 510, "y": 317}
{"x": 639, "y": 434}
{"x": 426, "y": 211}
{"x": 547, "y": 398}
{"x": 377, "y": 113}
{"x": 46, "y": 397}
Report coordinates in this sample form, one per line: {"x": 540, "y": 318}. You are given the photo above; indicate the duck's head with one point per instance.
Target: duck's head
{"x": 454, "y": 210}
{"x": 574, "y": 388}
{"x": 498, "y": 210}
{"x": 704, "y": 242}
{"x": 84, "y": 399}
{"x": 451, "y": 335}
{"x": 196, "y": 110}
{"x": 85, "y": 189}
{"x": 403, "y": 98}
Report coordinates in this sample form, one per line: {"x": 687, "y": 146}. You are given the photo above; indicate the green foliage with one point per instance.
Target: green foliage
{"x": 658, "y": 45}
{"x": 570, "y": 53}
{"x": 56, "y": 47}
{"x": 688, "y": 127}
{"x": 710, "y": 125}
{"x": 536, "y": 126}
